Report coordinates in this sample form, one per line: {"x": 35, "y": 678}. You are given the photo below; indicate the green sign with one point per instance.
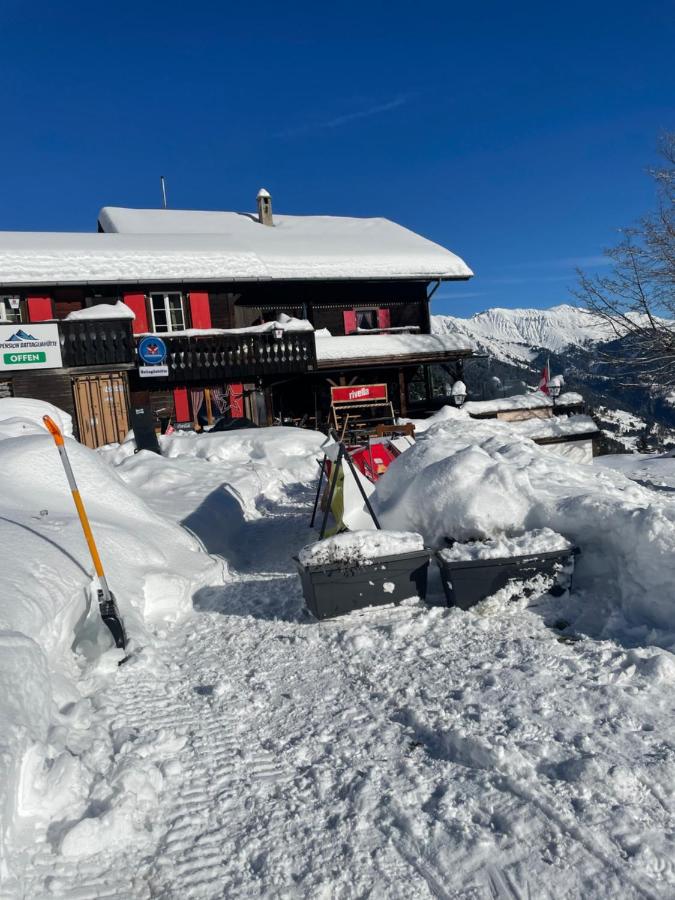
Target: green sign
{"x": 24, "y": 359}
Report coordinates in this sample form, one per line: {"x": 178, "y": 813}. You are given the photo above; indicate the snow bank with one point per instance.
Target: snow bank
{"x": 481, "y": 479}
{"x": 359, "y": 548}
{"x": 444, "y": 414}
{"x": 540, "y": 540}
{"x": 48, "y": 599}
{"x": 287, "y": 450}
{"x": 117, "y": 310}
{"x": 651, "y": 469}
{"x": 19, "y": 416}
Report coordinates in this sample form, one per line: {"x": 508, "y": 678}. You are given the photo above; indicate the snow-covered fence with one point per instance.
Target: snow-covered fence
{"x": 232, "y": 355}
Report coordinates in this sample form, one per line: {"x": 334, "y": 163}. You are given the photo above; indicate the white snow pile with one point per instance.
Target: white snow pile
{"x": 117, "y": 310}
{"x": 531, "y": 543}
{"x": 20, "y": 416}
{"x": 282, "y": 323}
{"x": 359, "y": 548}
{"x": 49, "y": 623}
{"x": 556, "y": 426}
{"x": 481, "y": 479}
{"x": 444, "y": 414}
{"x": 259, "y": 462}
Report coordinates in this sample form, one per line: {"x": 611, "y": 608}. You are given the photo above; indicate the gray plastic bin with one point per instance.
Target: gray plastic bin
{"x": 335, "y": 589}
{"x": 467, "y": 582}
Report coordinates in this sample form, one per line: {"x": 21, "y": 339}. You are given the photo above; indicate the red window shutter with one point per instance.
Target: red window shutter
{"x": 136, "y": 303}
{"x": 237, "y": 401}
{"x": 349, "y": 316}
{"x": 181, "y": 407}
{"x": 39, "y": 309}
{"x": 200, "y": 311}
{"x": 383, "y": 318}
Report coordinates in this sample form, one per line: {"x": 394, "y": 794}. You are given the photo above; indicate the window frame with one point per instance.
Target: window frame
{"x": 5, "y": 308}
{"x": 169, "y": 327}
{"x": 373, "y": 310}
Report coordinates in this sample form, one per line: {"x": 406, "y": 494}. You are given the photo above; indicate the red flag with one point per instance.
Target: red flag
{"x": 543, "y": 384}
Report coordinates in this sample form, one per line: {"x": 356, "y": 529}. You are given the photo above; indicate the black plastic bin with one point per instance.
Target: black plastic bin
{"x": 467, "y": 582}
{"x": 337, "y": 588}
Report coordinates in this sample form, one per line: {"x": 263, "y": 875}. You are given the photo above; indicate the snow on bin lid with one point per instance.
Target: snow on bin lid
{"x": 541, "y": 540}
{"x": 359, "y": 548}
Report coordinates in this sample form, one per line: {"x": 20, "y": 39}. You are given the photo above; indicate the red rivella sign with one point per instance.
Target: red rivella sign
{"x": 360, "y": 393}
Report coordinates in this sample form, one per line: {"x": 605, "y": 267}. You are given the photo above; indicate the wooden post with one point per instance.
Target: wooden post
{"x": 209, "y": 408}
{"x": 402, "y": 391}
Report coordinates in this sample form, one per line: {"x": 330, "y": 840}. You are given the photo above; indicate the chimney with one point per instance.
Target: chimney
{"x": 264, "y": 207}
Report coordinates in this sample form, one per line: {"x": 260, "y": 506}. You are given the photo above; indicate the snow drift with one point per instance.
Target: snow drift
{"x": 468, "y": 479}
{"x": 48, "y": 597}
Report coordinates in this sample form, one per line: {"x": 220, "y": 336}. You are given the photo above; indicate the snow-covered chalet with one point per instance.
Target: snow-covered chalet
{"x": 259, "y": 313}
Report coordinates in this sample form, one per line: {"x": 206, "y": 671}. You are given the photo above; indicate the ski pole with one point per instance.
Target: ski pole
{"x": 106, "y": 601}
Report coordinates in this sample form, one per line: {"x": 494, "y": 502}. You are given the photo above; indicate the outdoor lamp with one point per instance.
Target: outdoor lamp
{"x": 458, "y": 393}
{"x": 278, "y": 334}
{"x": 555, "y": 387}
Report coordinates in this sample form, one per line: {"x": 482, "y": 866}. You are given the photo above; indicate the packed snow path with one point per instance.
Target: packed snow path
{"x": 410, "y": 752}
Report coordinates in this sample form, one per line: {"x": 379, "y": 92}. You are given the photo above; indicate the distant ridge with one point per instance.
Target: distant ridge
{"x": 518, "y": 335}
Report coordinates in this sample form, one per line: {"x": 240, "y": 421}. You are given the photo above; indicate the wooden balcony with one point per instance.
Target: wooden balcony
{"x": 97, "y": 342}
{"x": 199, "y": 358}
{"x": 225, "y": 356}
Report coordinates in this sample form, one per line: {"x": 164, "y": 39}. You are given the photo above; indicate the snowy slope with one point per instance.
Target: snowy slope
{"x": 518, "y": 334}
{"x": 251, "y": 752}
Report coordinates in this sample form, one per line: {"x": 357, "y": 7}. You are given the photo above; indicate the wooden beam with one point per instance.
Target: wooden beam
{"x": 403, "y": 392}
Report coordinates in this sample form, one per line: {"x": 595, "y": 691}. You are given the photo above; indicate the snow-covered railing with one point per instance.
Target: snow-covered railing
{"x": 207, "y": 356}
{"x": 96, "y": 342}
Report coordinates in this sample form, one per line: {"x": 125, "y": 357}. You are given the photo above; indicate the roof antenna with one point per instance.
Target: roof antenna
{"x": 163, "y": 183}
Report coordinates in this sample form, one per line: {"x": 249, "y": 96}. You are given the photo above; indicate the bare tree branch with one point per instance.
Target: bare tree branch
{"x": 635, "y": 301}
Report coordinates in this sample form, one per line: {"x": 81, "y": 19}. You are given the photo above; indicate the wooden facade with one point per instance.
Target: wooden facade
{"x": 257, "y": 371}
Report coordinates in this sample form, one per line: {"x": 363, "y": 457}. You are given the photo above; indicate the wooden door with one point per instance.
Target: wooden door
{"x": 102, "y": 406}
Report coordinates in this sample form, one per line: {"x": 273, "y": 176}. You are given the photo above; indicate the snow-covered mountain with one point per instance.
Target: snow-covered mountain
{"x": 519, "y": 335}
{"x": 519, "y": 342}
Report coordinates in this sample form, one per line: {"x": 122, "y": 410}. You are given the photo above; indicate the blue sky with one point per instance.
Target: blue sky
{"x": 516, "y": 134}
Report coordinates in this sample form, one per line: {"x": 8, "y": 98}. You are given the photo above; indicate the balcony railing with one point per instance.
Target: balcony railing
{"x": 96, "y": 342}
{"x": 208, "y": 357}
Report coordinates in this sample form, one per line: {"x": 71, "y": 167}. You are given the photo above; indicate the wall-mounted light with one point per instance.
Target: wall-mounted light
{"x": 458, "y": 394}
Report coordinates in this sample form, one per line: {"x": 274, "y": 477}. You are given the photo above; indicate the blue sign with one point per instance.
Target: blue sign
{"x": 152, "y": 350}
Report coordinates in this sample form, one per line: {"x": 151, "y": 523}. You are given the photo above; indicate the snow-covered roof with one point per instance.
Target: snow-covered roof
{"x": 535, "y": 400}
{"x": 302, "y": 246}
{"x": 557, "y": 426}
{"x": 388, "y": 346}
{"x": 161, "y": 245}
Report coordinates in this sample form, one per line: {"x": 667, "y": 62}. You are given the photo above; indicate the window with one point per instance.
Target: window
{"x": 366, "y": 318}
{"x": 167, "y": 312}
{"x": 10, "y": 309}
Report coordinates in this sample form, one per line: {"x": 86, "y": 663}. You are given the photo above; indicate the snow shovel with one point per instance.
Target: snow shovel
{"x": 106, "y": 601}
